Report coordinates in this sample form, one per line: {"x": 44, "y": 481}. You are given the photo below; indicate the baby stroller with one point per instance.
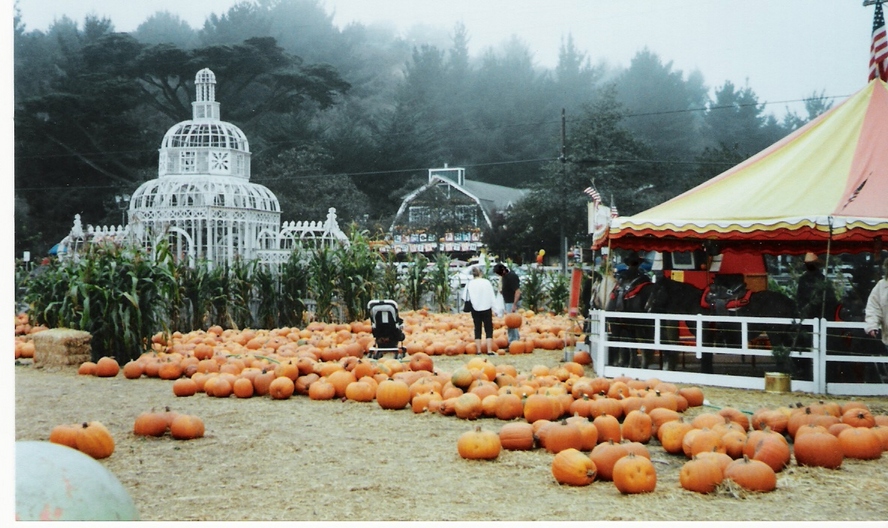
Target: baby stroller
{"x": 387, "y": 329}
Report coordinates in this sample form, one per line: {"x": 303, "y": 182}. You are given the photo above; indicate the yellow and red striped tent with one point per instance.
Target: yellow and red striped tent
{"x": 823, "y": 186}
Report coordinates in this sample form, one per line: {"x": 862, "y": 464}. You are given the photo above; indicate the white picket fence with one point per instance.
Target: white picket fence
{"x": 818, "y": 329}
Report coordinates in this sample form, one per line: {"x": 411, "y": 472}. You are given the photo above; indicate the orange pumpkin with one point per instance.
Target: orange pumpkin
{"x": 751, "y": 475}
{"x": 94, "y": 440}
{"x": 186, "y": 427}
{"x": 65, "y": 434}
{"x": 818, "y": 449}
{"x": 700, "y": 475}
{"x": 479, "y": 444}
{"x": 637, "y": 426}
{"x": 563, "y": 435}
{"x": 513, "y": 320}
{"x": 634, "y": 474}
{"x": 150, "y": 424}
{"x": 393, "y": 394}
{"x": 860, "y": 443}
{"x": 574, "y": 468}
{"x": 517, "y": 436}
{"x": 107, "y": 367}
{"x": 282, "y": 388}
{"x": 605, "y": 455}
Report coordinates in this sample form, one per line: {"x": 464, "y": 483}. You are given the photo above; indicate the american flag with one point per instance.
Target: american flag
{"x": 614, "y": 212}
{"x": 878, "y": 66}
{"x": 593, "y": 194}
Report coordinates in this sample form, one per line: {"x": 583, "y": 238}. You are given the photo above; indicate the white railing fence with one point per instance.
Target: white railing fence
{"x": 814, "y": 354}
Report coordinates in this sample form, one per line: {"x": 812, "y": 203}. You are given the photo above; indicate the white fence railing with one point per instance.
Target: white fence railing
{"x": 818, "y": 331}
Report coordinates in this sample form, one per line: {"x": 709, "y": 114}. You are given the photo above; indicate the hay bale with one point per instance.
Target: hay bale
{"x": 61, "y": 347}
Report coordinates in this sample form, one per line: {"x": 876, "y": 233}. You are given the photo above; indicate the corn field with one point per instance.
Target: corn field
{"x": 123, "y": 296}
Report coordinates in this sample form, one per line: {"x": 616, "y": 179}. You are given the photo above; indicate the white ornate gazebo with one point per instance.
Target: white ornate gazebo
{"x": 202, "y": 201}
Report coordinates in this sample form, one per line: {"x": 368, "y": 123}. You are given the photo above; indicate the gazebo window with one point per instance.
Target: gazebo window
{"x": 188, "y": 161}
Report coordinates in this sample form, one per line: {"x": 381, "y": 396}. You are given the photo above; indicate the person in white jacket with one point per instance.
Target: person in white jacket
{"x": 480, "y": 292}
{"x": 877, "y": 308}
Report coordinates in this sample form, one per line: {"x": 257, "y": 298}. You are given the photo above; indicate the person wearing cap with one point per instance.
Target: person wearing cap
{"x": 876, "y": 313}
{"x": 809, "y": 294}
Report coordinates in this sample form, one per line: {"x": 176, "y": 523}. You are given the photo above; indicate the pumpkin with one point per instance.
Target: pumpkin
{"x": 704, "y": 440}
{"x": 693, "y": 395}
{"x": 574, "y": 468}
{"x": 87, "y": 368}
{"x": 608, "y": 428}
{"x": 858, "y": 417}
{"x": 421, "y": 361}
{"x": 186, "y": 427}
{"x": 860, "y": 443}
{"x": 321, "y": 390}
{"x": 540, "y": 407}
{"x": 508, "y": 406}
{"x": 184, "y": 387}
{"x": 820, "y": 449}
{"x": 393, "y": 394}
{"x": 360, "y": 391}
{"x": 588, "y": 432}
{"x": 95, "y": 440}
{"x": 707, "y": 420}
{"x": 107, "y": 367}
{"x": 772, "y": 450}
{"x": 751, "y": 475}
{"x": 671, "y": 435}
{"x": 150, "y": 424}
{"x": 605, "y": 456}
{"x": 882, "y": 434}
{"x": 468, "y": 406}
{"x": 282, "y": 388}
{"x": 513, "y": 320}
{"x": 262, "y": 381}
{"x": 132, "y": 370}
{"x": 701, "y": 475}
{"x": 637, "y": 426}
{"x": 478, "y": 444}
{"x": 243, "y": 387}
{"x": 721, "y": 459}
{"x": 736, "y": 416}
{"x": 65, "y": 434}
{"x": 517, "y": 436}
{"x": 634, "y": 474}
{"x": 563, "y": 435}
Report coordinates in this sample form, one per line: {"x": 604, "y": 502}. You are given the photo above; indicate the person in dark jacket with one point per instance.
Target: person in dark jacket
{"x": 811, "y": 286}
{"x": 511, "y": 288}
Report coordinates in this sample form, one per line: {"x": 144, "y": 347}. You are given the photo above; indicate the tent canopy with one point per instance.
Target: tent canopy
{"x": 823, "y": 186}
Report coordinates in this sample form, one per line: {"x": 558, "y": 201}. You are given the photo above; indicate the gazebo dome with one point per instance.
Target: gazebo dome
{"x": 204, "y": 144}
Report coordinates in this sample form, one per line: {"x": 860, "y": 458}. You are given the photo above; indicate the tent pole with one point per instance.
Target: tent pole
{"x": 826, "y": 269}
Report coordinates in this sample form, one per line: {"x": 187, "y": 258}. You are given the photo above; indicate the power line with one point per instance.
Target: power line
{"x": 535, "y": 124}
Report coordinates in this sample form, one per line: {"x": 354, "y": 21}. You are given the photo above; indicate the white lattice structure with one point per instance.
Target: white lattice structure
{"x": 203, "y": 202}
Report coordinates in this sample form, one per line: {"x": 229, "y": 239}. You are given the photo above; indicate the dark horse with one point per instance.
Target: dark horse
{"x": 616, "y": 295}
{"x": 671, "y": 297}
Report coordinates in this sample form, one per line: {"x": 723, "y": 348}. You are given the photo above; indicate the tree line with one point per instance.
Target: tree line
{"x": 351, "y": 118}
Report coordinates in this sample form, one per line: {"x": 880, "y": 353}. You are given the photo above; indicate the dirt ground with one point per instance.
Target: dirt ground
{"x": 305, "y": 460}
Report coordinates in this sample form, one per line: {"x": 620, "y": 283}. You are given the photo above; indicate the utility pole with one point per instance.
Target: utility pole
{"x": 563, "y": 159}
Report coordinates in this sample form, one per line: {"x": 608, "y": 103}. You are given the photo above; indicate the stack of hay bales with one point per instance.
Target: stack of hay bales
{"x": 61, "y": 347}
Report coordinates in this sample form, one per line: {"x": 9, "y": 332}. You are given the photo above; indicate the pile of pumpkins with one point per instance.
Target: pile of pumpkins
{"x": 597, "y": 428}
{"x": 24, "y": 346}
{"x": 720, "y": 446}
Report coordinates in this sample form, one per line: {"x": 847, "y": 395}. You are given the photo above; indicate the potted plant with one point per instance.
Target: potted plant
{"x": 779, "y": 380}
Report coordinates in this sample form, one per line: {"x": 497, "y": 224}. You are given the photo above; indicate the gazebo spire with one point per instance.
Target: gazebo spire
{"x": 205, "y": 106}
